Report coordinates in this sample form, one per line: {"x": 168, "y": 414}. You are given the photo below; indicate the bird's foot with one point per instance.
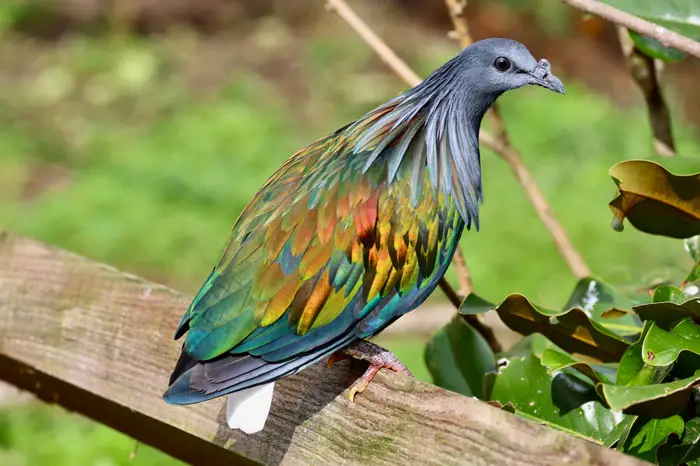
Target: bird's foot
{"x": 378, "y": 358}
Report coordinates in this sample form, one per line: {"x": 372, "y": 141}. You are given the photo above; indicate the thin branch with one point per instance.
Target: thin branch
{"x": 472, "y": 320}
{"x": 645, "y": 72}
{"x": 458, "y": 10}
{"x": 464, "y": 277}
{"x": 411, "y": 78}
{"x": 500, "y": 143}
{"x": 649, "y": 29}
{"x": 378, "y": 45}
{"x": 572, "y": 257}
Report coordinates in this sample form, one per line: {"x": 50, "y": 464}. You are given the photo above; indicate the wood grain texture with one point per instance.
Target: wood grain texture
{"x": 98, "y": 341}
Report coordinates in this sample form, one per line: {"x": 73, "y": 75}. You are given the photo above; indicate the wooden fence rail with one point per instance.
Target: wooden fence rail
{"x": 98, "y": 341}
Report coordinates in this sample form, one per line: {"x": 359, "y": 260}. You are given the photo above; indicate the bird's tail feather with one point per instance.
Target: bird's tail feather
{"x": 248, "y": 409}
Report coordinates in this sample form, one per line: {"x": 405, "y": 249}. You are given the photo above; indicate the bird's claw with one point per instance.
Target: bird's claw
{"x": 378, "y": 358}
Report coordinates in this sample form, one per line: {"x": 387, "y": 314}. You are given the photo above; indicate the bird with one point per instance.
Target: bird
{"x": 351, "y": 232}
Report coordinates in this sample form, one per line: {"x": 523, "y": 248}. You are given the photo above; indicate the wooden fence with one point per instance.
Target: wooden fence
{"x": 99, "y": 342}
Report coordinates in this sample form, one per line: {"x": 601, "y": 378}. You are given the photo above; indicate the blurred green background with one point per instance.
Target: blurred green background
{"x": 135, "y": 135}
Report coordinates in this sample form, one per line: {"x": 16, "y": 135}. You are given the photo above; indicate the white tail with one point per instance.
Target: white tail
{"x": 248, "y": 409}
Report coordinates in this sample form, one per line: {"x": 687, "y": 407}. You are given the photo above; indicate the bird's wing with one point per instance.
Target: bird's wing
{"x": 327, "y": 248}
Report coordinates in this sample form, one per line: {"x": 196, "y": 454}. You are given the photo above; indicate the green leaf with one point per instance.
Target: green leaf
{"x": 667, "y": 293}
{"x": 684, "y": 450}
{"x": 556, "y": 361}
{"x": 620, "y": 433}
{"x": 667, "y": 315}
{"x": 458, "y": 357}
{"x": 655, "y": 49}
{"x": 632, "y": 369}
{"x": 596, "y": 297}
{"x": 662, "y": 348}
{"x": 559, "y": 399}
{"x": 658, "y": 401}
{"x": 656, "y": 201}
{"x": 647, "y": 437}
{"x": 677, "y": 15}
{"x": 572, "y": 329}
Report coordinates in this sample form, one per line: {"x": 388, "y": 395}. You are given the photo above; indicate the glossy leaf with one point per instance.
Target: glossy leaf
{"x": 667, "y": 315}
{"x": 632, "y": 370}
{"x": 646, "y": 437}
{"x": 573, "y": 330}
{"x": 458, "y": 357}
{"x": 659, "y": 400}
{"x": 596, "y": 298}
{"x": 559, "y": 399}
{"x": 677, "y": 15}
{"x": 557, "y": 361}
{"x": 656, "y": 201}
{"x": 620, "y": 433}
{"x": 655, "y": 49}
{"x": 661, "y": 348}
{"x": 667, "y": 293}
{"x": 685, "y": 450}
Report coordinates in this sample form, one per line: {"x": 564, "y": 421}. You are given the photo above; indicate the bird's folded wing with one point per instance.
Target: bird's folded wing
{"x": 327, "y": 247}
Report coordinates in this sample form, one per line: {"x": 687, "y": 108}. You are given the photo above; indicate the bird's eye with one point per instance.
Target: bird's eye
{"x": 502, "y": 64}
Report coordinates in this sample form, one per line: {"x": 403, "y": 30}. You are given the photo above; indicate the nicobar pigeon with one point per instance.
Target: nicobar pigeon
{"x": 349, "y": 234}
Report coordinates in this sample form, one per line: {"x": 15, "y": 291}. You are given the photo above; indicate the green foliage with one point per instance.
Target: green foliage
{"x": 558, "y": 398}
{"x": 612, "y": 369}
{"x": 579, "y": 327}
{"x": 655, "y": 49}
{"x": 36, "y": 434}
{"x": 454, "y": 373}
{"x": 655, "y": 200}
{"x": 677, "y": 15}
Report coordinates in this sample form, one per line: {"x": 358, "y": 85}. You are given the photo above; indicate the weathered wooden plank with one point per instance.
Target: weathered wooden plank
{"x": 99, "y": 341}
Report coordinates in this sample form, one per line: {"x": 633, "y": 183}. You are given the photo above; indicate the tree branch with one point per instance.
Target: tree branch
{"x": 373, "y": 40}
{"x": 412, "y": 79}
{"x": 458, "y": 11}
{"x": 645, "y": 72}
{"x": 649, "y": 29}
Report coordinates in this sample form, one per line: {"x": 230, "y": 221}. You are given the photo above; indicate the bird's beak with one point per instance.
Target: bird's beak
{"x": 542, "y": 76}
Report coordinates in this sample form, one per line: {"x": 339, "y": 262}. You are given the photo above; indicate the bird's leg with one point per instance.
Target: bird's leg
{"x": 378, "y": 358}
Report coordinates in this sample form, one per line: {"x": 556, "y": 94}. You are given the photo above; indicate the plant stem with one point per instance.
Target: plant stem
{"x": 645, "y": 73}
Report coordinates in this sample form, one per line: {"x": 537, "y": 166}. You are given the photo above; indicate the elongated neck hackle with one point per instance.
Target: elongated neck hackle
{"x": 435, "y": 128}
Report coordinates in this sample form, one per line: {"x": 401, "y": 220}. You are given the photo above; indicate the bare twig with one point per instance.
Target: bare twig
{"x": 412, "y": 79}
{"x": 500, "y": 143}
{"x": 378, "y": 45}
{"x": 472, "y": 320}
{"x": 572, "y": 257}
{"x": 463, "y": 275}
{"x": 458, "y": 10}
{"x": 660, "y": 33}
{"x": 645, "y": 72}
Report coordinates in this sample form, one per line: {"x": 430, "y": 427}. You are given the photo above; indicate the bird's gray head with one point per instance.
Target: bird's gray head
{"x": 493, "y": 66}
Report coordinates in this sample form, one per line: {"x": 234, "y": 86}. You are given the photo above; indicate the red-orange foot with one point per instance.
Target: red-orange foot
{"x": 378, "y": 358}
